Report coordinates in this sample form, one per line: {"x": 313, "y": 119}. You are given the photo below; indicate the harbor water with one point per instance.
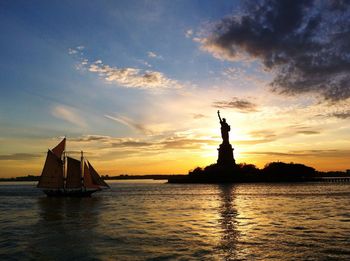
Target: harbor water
{"x": 152, "y": 220}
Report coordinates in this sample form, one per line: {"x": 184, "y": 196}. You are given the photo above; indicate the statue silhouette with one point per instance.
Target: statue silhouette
{"x": 225, "y": 128}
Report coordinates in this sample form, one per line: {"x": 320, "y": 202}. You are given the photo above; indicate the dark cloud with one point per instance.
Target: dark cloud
{"x": 305, "y": 42}
{"x": 340, "y": 5}
{"x": 241, "y": 105}
{"x": 198, "y": 116}
{"x": 19, "y": 156}
{"x": 308, "y": 132}
{"x": 342, "y": 115}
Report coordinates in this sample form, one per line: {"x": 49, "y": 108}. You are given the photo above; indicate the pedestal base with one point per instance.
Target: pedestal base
{"x": 226, "y": 155}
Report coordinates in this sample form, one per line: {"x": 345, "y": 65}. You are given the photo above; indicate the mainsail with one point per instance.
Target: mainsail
{"x": 73, "y": 173}
{"x": 52, "y": 174}
{"x": 58, "y": 150}
{"x": 96, "y": 178}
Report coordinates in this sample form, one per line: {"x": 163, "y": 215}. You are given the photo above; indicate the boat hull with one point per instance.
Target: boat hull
{"x": 69, "y": 193}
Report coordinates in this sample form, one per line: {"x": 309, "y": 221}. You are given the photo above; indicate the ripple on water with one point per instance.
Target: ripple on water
{"x": 154, "y": 221}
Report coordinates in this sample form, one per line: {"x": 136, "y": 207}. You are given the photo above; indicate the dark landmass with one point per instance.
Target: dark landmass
{"x": 249, "y": 173}
{"x": 272, "y": 172}
{"x": 105, "y": 177}
{"x": 24, "y": 178}
{"x": 152, "y": 176}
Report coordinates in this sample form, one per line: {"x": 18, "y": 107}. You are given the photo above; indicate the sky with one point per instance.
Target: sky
{"x": 136, "y": 85}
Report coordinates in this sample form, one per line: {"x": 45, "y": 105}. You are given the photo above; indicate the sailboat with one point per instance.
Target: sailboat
{"x": 63, "y": 176}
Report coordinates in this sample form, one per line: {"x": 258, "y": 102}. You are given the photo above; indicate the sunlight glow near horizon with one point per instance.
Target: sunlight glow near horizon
{"x": 138, "y": 88}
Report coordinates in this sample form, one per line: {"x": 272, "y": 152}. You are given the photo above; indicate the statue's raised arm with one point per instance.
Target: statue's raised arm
{"x": 219, "y": 116}
{"x": 225, "y": 128}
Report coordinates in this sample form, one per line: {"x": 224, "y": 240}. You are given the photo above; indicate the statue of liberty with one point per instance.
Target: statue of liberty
{"x": 225, "y": 128}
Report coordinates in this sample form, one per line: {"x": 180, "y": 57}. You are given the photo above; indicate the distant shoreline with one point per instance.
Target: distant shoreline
{"x": 328, "y": 174}
{"x": 120, "y": 177}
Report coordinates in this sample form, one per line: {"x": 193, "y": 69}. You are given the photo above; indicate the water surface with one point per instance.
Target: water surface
{"x": 140, "y": 220}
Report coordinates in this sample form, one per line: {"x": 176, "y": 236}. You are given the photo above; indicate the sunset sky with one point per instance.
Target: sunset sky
{"x": 136, "y": 85}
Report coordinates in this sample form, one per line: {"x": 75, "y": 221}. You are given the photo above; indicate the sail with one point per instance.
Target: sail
{"x": 96, "y": 178}
{"x": 73, "y": 173}
{"x": 52, "y": 174}
{"x": 88, "y": 182}
{"x": 58, "y": 150}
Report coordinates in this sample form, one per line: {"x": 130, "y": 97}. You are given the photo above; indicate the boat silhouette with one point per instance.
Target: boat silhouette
{"x": 63, "y": 176}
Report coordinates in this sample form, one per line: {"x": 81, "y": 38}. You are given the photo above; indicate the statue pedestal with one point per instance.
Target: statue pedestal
{"x": 226, "y": 155}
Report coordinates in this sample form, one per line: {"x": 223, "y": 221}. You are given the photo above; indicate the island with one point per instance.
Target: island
{"x": 225, "y": 170}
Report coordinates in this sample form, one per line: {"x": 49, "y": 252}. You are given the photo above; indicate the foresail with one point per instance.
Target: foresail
{"x": 73, "y": 173}
{"x": 88, "y": 182}
{"x": 96, "y": 178}
{"x": 52, "y": 174}
{"x": 58, "y": 150}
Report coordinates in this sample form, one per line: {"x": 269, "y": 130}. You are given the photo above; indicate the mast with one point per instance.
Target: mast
{"x": 64, "y": 170}
{"x": 64, "y": 162}
{"x": 82, "y": 169}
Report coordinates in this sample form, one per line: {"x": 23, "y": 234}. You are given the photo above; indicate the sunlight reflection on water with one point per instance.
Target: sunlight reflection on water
{"x": 148, "y": 219}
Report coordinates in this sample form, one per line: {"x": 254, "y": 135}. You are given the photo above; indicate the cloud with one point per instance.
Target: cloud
{"x": 189, "y": 33}
{"x": 241, "y": 105}
{"x": 273, "y": 153}
{"x": 308, "y": 132}
{"x": 266, "y": 134}
{"x": 127, "y": 76}
{"x": 19, "y": 156}
{"x": 305, "y": 153}
{"x": 76, "y": 50}
{"x": 131, "y": 144}
{"x": 157, "y": 143}
{"x": 130, "y": 123}
{"x": 113, "y": 142}
{"x": 342, "y": 115}
{"x": 269, "y": 135}
{"x": 186, "y": 143}
{"x": 68, "y": 114}
{"x": 88, "y": 138}
{"x": 305, "y": 43}
{"x": 253, "y": 142}
{"x": 133, "y": 77}
{"x": 199, "y": 116}
{"x": 154, "y": 55}
{"x": 143, "y": 62}
{"x": 72, "y": 51}
{"x": 247, "y": 77}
